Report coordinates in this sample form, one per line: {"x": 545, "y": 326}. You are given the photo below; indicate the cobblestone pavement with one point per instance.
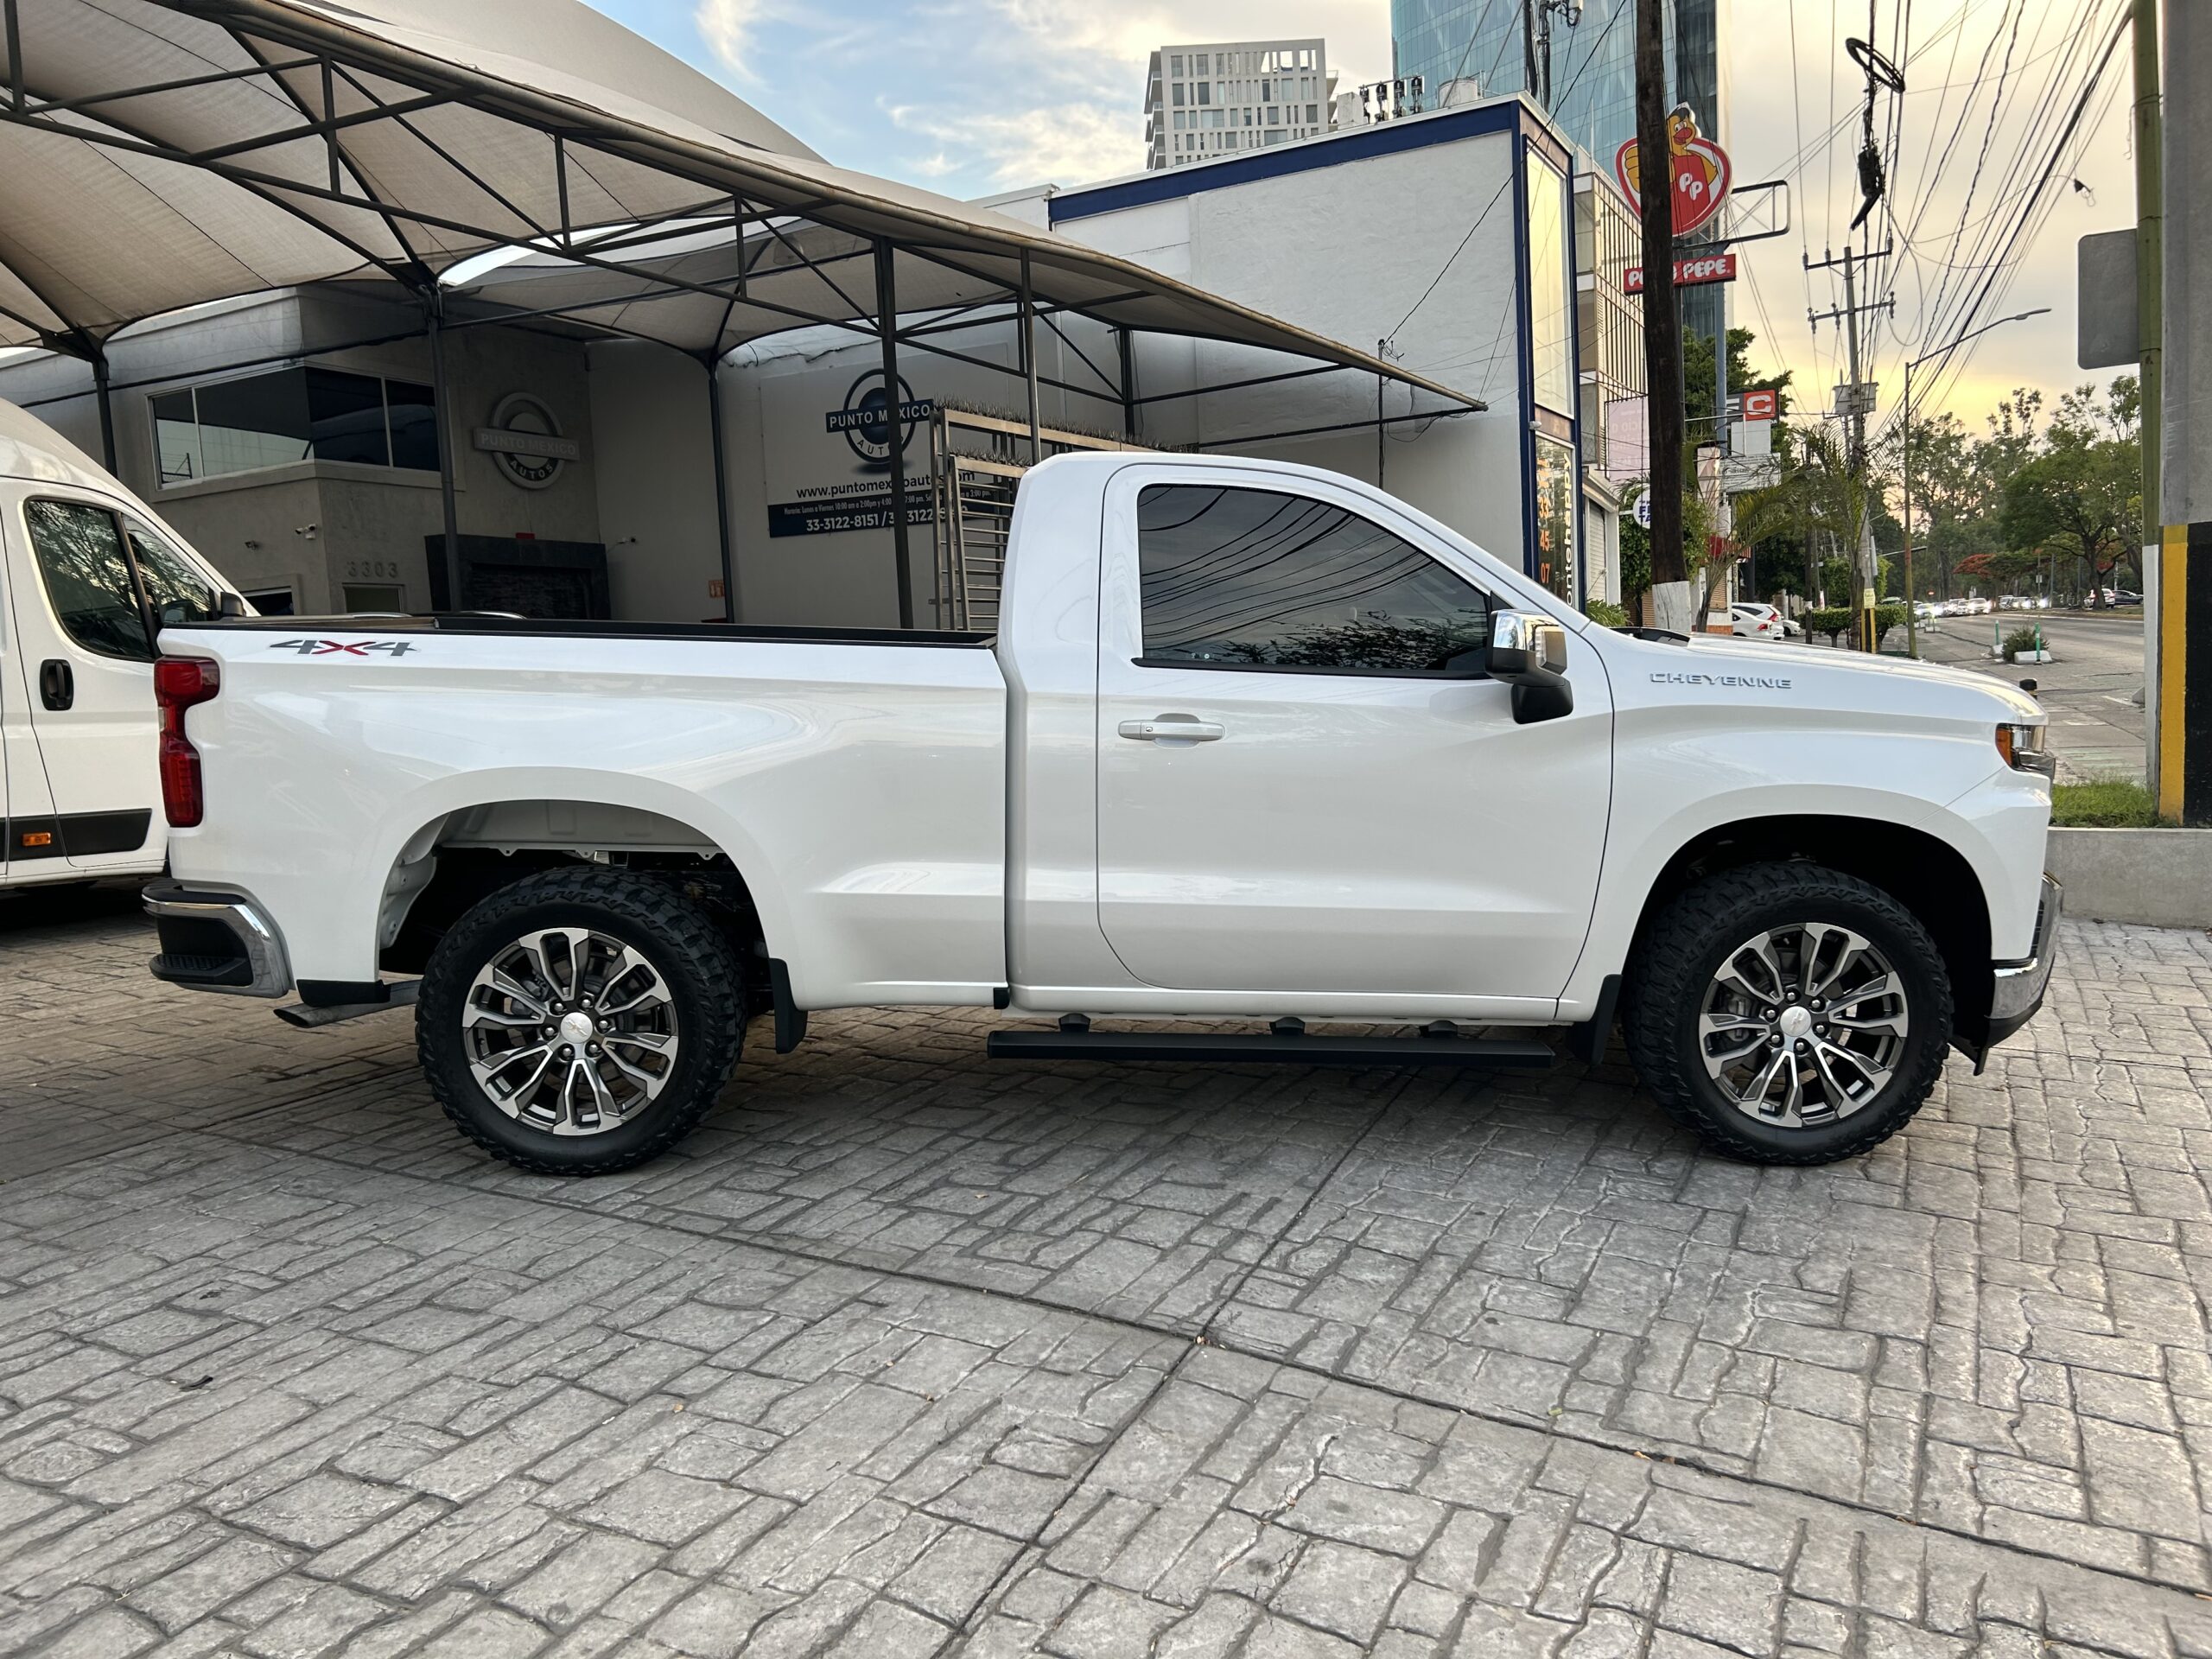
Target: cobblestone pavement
{"x": 907, "y": 1353}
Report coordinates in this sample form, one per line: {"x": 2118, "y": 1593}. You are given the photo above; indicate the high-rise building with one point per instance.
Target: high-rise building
{"x": 1592, "y": 61}
{"x": 1207, "y": 100}
{"x": 1592, "y": 68}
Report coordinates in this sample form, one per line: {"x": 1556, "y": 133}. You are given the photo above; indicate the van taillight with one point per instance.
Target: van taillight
{"x": 179, "y": 682}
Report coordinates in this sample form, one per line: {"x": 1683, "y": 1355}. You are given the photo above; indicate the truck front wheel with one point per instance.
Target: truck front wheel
{"x": 580, "y": 1021}
{"x": 1787, "y": 1013}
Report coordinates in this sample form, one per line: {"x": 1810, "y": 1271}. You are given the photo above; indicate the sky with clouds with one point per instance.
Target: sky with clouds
{"x": 972, "y": 96}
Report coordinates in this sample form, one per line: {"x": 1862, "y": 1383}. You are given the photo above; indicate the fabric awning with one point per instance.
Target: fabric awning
{"x": 154, "y": 154}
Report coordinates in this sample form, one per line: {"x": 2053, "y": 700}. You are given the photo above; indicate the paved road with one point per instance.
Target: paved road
{"x": 906, "y": 1354}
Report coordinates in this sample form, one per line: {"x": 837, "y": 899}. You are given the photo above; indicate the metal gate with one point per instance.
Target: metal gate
{"x": 976, "y": 463}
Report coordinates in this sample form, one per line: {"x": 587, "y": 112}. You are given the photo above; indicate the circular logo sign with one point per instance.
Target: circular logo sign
{"x": 865, "y": 418}
{"x": 1698, "y": 172}
{"x": 1641, "y": 511}
{"x": 525, "y": 440}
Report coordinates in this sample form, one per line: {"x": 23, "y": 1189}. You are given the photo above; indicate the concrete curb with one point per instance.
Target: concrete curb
{"x": 2159, "y": 877}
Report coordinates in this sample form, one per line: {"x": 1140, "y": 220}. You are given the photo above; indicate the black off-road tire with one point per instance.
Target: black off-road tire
{"x": 692, "y": 956}
{"x": 1686, "y": 944}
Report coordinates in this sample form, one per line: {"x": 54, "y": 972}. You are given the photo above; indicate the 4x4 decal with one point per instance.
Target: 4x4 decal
{"x": 345, "y": 647}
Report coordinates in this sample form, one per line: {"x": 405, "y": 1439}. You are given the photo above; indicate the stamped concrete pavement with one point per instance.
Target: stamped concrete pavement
{"x": 909, "y": 1354}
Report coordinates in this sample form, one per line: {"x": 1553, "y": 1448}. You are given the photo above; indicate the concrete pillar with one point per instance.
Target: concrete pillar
{"x": 2183, "y": 618}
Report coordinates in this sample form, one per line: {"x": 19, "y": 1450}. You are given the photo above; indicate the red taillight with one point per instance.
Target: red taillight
{"x": 179, "y": 682}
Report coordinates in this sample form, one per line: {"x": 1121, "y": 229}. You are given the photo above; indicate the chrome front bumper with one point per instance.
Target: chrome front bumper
{"x": 2019, "y": 986}
{"x": 216, "y": 940}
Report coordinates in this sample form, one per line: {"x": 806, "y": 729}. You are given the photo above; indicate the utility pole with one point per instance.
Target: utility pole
{"x": 1662, "y": 329}
{"x": 1529, "y": 51}
{"x": 2184, "y": 584}
{"x": 1860, "y": 402}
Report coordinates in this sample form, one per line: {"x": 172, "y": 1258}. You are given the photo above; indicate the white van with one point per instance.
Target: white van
{"x": 88, "y": 576}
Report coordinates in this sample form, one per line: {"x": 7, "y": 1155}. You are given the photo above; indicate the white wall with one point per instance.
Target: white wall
{"x": 655, "y": 467}
{"x": 1347, "y": 250}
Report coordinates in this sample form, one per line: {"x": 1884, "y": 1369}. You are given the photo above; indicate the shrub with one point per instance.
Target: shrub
{"x": 1604, "y": 613}
{"x": 2021, "y": 640}
{"x": 1835, "y": 622}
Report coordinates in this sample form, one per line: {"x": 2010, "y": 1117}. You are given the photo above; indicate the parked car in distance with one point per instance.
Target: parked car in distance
{"x": 1751, "y": 621}
{"x": 94, "y": 575}
{"x": 1252, "y": 742}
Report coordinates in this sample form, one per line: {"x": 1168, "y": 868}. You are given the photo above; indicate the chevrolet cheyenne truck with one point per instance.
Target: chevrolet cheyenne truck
{"x": 1255, "y": 743}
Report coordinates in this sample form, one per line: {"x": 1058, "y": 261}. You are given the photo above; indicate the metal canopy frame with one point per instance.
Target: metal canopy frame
{"x": 767, "y": 239}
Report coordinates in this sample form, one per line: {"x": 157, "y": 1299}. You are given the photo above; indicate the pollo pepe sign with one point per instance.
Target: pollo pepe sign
{"x": 1698, "y": 172}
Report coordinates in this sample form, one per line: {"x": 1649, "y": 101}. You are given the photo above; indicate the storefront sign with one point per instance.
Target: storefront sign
{"x": 854, "y": 495}
{"x": 1688, "y": 273}
{"x": 526, "y": 440}
{"x": 1698, "y": 172}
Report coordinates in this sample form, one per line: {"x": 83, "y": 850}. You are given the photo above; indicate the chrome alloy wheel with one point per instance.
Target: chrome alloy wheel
{"x": 570, "y": 1031}
{"x": 1802, "y": 1026}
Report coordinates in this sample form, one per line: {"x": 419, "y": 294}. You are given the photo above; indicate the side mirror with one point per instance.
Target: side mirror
{"x": 230, "y": 605}
{"x": 1528, "y": 652}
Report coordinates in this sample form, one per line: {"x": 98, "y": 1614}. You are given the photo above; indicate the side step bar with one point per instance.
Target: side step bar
{"x": 1294, "y": 1048}
{"x": 400, "y": 993}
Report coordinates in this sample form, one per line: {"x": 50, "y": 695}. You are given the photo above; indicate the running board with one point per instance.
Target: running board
{"x": 400, "y": 995}
{"x": 1490, "y": 1053}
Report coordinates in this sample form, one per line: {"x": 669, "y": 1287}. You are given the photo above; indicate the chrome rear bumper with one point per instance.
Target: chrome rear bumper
{"x": 216, "y": 940}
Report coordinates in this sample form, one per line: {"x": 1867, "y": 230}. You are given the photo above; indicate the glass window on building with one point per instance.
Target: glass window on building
{"x": 1205, "y": 91}
{"x": 1179, "y": 97}
{"x": 373, "y": 598}
{"x": 1175, "y": 69}
{"x": 1551, "y": 288}
{"x": 1555, "y": 518}
{"x": 302, "y": 413}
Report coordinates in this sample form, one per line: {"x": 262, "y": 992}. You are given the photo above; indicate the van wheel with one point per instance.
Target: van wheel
{"x": 1787, "y": 1013}
{"x": 580, "y": 1021}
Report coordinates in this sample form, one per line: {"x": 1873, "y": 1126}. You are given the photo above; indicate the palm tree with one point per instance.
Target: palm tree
{"x": 1817, "y": 495}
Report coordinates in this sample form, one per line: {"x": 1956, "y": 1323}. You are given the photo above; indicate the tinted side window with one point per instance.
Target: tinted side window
{"x": 81, "y": 561}
{"x": 175, "y": 591}
{"x": 1256, "y": 578}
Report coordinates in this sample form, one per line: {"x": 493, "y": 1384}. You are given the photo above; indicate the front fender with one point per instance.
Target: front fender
{"x": 1677, "y": 787}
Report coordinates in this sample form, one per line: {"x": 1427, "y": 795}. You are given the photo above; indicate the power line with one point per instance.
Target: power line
{"x": 1454, "y": 255}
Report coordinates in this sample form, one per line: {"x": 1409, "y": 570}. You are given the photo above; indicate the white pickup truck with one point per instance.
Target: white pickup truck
{"x": 1255, "y": 743}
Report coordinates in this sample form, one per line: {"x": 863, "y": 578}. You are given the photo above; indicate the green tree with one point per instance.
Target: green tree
{"x": 2080, "y": 497}
{"x": 1818, "y": 504}
{"x": 1697, "y": 380}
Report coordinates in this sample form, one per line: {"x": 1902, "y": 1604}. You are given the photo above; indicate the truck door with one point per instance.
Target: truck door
{"x": 82, "y": 631}
{"x": 1300, "y": 787}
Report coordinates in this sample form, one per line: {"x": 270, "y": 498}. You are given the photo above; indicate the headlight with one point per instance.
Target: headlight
{"x": 2022, "y": 746}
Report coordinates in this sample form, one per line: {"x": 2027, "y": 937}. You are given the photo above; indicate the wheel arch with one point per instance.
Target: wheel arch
{"x": 460, "y": 849}
{"x": 1922, "y": 872}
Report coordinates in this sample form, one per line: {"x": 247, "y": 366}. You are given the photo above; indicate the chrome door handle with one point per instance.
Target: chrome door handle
{"x": 1171, "y": 729}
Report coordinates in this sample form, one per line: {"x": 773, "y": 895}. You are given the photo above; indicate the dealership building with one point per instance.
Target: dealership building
{"x": 293, "y": 436}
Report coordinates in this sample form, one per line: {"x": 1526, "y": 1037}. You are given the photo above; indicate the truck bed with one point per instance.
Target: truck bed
{"x": 499, "y": 624}
{"x": 860, "y": 793}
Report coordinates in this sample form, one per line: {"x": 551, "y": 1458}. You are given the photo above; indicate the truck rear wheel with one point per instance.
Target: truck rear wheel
{"x": 1787, "y": 1013}
{"x": 580, "y": 1021}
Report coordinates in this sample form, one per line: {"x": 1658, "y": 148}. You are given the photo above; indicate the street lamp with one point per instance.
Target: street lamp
{"x": 1911, "y": 609}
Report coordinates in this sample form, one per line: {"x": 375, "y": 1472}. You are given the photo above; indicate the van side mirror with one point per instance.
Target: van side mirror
{"x": 230, "y": 605}
{"x": 1528, "y": 652}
